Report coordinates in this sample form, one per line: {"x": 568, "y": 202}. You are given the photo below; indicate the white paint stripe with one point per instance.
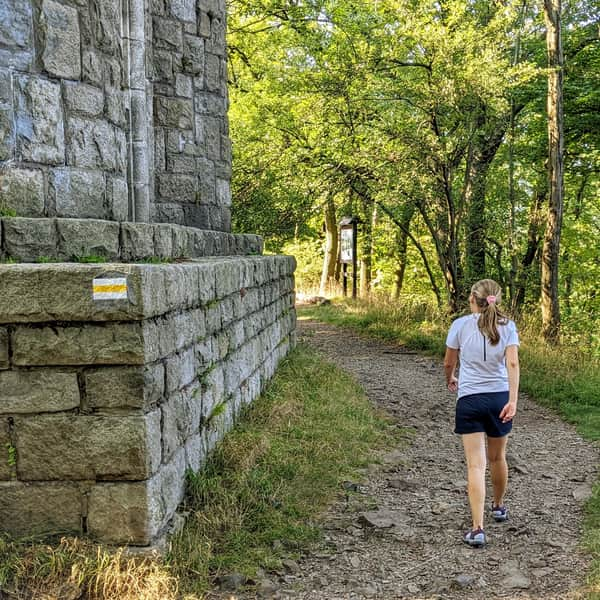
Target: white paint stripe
{"x": 109, "y": 292}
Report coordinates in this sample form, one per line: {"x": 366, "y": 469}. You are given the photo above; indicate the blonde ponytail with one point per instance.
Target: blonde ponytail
{"x": 487, "y": 295}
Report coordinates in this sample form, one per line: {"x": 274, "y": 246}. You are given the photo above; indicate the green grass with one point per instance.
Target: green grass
{"x": 259, "y": 495}
{"x": 566, "y": 378}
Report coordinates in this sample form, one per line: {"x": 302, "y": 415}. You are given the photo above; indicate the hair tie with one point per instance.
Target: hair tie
{"x": 491, "y": 299}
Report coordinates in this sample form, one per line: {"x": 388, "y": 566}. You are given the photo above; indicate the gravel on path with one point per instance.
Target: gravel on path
{"x": 397, "y": 534}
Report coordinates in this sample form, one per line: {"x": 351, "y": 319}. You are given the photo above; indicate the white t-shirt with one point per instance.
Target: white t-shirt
{"x": 482, "y": 366}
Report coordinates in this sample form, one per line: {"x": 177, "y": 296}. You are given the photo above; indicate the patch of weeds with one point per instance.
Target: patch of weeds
{"x": 45, "y": 259}
{"x": 7, "y": 212}
{"x": 156, "y": 260}
{"x": 9, "y": 260}
{"x": 218, "y": 409}
{"x": 89, "y": 258}
{"x": 12, "y": 455}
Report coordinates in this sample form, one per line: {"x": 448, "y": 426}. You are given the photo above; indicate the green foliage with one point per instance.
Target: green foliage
{"x": 7, "y": 212}
{"x": 90, "y": 258}
{"x": 253, "y": 503}
{"x": 12, "y": 455}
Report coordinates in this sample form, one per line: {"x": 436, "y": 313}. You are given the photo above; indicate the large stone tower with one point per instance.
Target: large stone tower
{"x": 121, "y": 367}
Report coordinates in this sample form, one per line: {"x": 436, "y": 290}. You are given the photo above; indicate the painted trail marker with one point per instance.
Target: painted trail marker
{"x": 109, "y": 289}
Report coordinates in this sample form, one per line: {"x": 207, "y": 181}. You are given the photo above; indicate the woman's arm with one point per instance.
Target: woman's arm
{"x": 512, "y": 365}
{"x": 450, "y": 362}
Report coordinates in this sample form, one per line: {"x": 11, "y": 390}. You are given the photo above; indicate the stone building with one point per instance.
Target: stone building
{"x": 134, "y": 325}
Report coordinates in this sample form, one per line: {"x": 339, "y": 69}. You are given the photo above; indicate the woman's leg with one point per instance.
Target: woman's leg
{"x": 474, "y": 444}
{"x": 498, "y": 467}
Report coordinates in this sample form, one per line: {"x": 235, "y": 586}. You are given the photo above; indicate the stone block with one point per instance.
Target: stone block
{"x": 168, "y": 34}
{"x": 87, "y": 447}
{"x": 37, "y": 391}
{"x": 204, "y": 28}
{"x": 63, "y": 292}
{"x": 167, "y": 488}
{"x": 83, "y": 98}
{"x": 60, "y": 51}
{"x": 181, "y": 370}
{"x": 228, "y": 277}
{"x": 81, "y": 238}
{"x": 39, "y": 120}
{"x": 179, "y": 241}
{"x": 92, "y": 68}
{"x": 125, "y": 387}
{"x": 177, "y": 187}
{"x": 212, "y": 74}
{"x": 180, "y": 419}
{"x": 137, "y": 241}
{"x": 216, "y": 43}
{"x": 173, "y": 112}
{"x": 29, "y": 239}
{"x": 119, "y": 513}
{"x": 40, "y": 508}
{"x": 167, "y": 212}
{"x": 206, "y": 169}
{"x": 96, "y": 144}
{"x": 194, "y": 453}
{"x": 16, "y": 34}
{"x": 22, "y": 190}
{"x": 117, "y": 197}
{"x": 111, "y": 344}
{"x": 193, "y": 57}
{"x": 199, "y": 216}
{"x": 182, "y": 163}
{"x": 78, "y": 194}
{"x": 184, "y": 9}
{"x": 134, "y": 513}
{"x": 223, "y": 189}
{"x": 115, "y": 107}
{"x": 209, "y": 128}
{"x": 183, "y": 86}
{"x": 106, "y": 25}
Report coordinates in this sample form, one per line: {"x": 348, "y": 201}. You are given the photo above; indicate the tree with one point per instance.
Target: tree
{"x": 551, "y": 249}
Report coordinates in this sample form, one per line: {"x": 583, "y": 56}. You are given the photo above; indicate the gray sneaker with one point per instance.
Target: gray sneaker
{"x": 500, "y": 513}
{"x": 475, "y": 538}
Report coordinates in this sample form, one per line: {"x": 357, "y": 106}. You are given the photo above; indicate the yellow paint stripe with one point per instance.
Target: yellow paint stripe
{"x": 110, "y": 288}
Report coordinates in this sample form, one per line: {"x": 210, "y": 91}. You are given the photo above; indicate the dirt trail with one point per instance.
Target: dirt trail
{"x": 398, "y": 534}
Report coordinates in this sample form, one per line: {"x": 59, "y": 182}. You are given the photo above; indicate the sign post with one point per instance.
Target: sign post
{"x": 348, "y": 254}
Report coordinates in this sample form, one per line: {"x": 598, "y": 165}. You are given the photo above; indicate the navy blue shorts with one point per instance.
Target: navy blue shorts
{"x": 481, "y": 413}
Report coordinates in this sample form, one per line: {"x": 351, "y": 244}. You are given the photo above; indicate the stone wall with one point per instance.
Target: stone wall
{"x": 105, "y": 403}
{"x": 116, "y": 110}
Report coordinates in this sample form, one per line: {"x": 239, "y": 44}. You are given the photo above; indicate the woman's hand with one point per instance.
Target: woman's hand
{"x": 453, "y": 384}
{"x": 508, "y": 412}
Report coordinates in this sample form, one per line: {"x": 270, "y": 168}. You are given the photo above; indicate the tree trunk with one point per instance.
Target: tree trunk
{"x": 533, "y": 244}
{"x": 331, "y": 247}
{"x": 401, "y": 248}
{"x": 551, "y": 249}
{"x": 366, "y": 247}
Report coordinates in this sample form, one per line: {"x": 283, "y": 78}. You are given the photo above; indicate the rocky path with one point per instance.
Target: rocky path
{"x": 397, "y": 533}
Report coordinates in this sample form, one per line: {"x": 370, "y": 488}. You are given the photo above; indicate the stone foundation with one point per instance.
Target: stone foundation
{"x": 105, "y": 403}
{"x": 53, "y": 240}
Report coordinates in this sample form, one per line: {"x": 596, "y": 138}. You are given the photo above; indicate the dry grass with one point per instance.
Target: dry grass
{"x": 80, "y": 570}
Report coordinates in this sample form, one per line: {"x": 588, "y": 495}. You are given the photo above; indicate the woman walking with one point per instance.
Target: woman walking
{"x": 488, "y": 387}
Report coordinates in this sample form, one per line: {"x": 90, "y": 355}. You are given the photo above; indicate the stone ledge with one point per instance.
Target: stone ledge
{"x": 62, "y": 292}
{"x": 44, "y": 239}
